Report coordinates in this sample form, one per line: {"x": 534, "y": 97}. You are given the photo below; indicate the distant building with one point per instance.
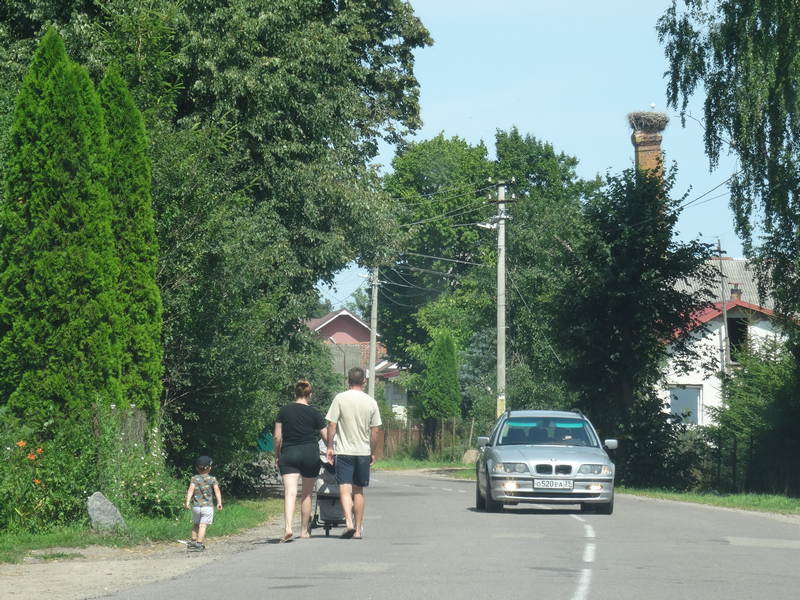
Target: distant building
{"x": 735, "y": 322}
{"x": 348, "y": 337}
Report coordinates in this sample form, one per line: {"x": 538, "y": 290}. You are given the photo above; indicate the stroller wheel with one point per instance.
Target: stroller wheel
{"x": 327, "y": 531}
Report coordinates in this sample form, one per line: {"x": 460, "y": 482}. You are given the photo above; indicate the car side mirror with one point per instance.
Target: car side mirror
{"x": 611, "y": 444}
{"x": 483, "y": 440}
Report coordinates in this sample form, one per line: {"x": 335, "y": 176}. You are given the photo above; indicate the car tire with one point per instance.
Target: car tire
{"x": 480, "y": 501}
{"x": 492, "y": 505}
{"x": 605, "y": 509}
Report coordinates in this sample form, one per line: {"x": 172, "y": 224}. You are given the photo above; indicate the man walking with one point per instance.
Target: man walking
{"x": 353, "y": 422}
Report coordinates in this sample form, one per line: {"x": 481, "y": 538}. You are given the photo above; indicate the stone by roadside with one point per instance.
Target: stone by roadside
{"x": 96, "y": 571}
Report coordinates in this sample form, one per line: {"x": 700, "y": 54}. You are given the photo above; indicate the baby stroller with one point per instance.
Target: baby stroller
{"x": 327, "y": 510}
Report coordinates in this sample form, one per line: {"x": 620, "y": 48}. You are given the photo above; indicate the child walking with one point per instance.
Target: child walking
{"x": 201, "y": 488}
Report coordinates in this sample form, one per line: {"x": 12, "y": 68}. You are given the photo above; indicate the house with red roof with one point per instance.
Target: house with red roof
{"x": 348, "y": 337}
{"x": 735, "y": 321}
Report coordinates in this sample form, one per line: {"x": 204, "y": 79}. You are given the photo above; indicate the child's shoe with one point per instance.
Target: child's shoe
{"x": 198, "y": 547}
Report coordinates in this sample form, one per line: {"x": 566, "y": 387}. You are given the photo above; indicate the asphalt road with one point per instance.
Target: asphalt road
{"x": 424, "y": 539}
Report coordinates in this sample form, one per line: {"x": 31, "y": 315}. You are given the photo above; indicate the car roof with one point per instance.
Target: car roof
{"x": 557, "y": 414}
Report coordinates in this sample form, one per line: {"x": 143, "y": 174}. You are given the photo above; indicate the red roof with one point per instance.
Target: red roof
{"x": 712, "y": 312}
{"x": 316, "y": 324}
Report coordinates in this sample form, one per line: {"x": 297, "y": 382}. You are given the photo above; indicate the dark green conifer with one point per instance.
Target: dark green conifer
{"x": 59, "y": 347}
{"x": 133, "y": 225}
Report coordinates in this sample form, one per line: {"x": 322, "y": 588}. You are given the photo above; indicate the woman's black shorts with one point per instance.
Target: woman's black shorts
{"x": 303, "y": 459}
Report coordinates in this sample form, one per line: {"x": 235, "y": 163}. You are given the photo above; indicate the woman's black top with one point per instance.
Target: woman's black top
{"x": 300, "y": 424}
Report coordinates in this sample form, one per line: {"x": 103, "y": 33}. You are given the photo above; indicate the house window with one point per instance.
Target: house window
{"x": 685, "y": 402}
{"x": 737, "y": 335}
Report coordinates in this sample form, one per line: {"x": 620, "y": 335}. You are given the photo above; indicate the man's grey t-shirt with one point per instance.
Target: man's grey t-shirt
{"x": 354, "y": 413}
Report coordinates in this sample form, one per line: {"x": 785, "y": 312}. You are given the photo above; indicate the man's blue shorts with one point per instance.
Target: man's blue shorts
{"x": 352, "y": 469}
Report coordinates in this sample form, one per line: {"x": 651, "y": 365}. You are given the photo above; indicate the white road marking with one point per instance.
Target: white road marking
{"x": 588, "y": 553}
{"x": 583, "y": 585}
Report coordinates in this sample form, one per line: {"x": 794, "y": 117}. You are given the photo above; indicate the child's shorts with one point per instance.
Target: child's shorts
{"x": 203, "y": 515}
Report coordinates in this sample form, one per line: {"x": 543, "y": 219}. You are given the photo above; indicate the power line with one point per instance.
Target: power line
{"x": 454, "y": 260}
{"x": 393, "y": 301}
{"x": 460, "y": 195}
{"x": 456, "y": 212}
{"x": 442, "y": 273}
{"x": 530, "y": 312}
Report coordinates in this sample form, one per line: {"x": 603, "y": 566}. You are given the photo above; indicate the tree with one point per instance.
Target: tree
{"x": 136, "y": 245}
{"x": 746, "y": 55}
{"x": 439, "y": 396}
{"x": 264, "y": 116}
{"x": 60, "y": 319}
{"x": 759, "y": 420}
{"x": 619, "y": 297}
{"x": 439, "y": 185}
{"x": 546, "y": 216}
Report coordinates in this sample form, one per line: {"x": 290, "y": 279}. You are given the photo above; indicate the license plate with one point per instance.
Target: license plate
{"x": 553, "y": 484}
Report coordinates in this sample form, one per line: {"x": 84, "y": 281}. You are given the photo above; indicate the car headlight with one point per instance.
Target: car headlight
{"x": 595, "y": 470}
{"x": 510, "y": 467}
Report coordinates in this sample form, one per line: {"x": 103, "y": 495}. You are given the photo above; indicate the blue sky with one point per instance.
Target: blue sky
{"x": 567, "y": 73}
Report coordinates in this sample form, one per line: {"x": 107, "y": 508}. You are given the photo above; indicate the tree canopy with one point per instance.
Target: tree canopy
{"x": 745, "y": 56}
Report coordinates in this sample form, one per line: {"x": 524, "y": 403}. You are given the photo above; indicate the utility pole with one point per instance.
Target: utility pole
{"x": 501, "y": 297}
{"x": 373, "y": 332}
{"x": 723, "y": 332}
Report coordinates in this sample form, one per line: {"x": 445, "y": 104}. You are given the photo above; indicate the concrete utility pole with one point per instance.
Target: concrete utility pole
{"x": 373, "y": 332}
{"x": 723, "y": 332}
{"x": 501, "y": 297}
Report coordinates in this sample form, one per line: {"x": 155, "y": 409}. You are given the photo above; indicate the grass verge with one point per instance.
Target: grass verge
{"x": 456, "y": 470}
{"x": 405, "y": 464}
{"x": 235, "y": 516}
{"x": 757, "y": 502}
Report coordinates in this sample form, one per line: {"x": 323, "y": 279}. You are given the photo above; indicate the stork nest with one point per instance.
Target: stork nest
{"x": 648, "y": 122}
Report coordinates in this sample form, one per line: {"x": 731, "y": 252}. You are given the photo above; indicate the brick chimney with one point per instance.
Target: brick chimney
{"x": 736, "y": 291}
{"x": 646, "y": 138}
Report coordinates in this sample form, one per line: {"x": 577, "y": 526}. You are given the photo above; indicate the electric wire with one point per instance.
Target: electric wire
{"x": 454, "y": 260}
{"x": 456, "y": 212}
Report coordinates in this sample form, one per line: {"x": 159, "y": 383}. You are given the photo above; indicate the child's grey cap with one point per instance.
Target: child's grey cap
{"x": 203, "y": 461}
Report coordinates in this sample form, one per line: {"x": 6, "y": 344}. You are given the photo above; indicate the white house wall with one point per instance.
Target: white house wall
{"x": 704, "y": 374}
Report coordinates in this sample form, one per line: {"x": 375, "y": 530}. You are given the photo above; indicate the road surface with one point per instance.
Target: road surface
{"x": 424, "y": 539}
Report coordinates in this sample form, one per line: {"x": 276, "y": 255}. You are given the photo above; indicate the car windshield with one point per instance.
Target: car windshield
{"x": 547, "y": 431}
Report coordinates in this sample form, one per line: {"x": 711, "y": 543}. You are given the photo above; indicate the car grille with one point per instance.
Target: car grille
{"x": 547, "y": 469}
{"x": 538, "y": 494}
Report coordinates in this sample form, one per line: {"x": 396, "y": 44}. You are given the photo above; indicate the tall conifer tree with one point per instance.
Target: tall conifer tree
{"x": 133, "y": 225}
{"x": 59, "y": 352}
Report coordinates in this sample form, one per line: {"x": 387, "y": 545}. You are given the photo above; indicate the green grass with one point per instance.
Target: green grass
{"x": 235, "y": 516}
{"x": 757, "y": 502}
{"x": 404, "y": 464}
{"x": 59, "y": 555}
{"x": 457, "y": 470}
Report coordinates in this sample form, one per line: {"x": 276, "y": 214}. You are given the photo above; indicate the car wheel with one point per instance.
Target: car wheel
{"x": 607, "y": 508}
{"x": 492, "y": 505}
{"x": 480, "y": 501}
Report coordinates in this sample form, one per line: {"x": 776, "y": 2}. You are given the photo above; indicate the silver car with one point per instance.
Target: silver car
{"x": 544, "y": 457}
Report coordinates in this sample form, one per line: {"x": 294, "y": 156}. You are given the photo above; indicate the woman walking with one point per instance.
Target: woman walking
{"x": 297, "y": 432}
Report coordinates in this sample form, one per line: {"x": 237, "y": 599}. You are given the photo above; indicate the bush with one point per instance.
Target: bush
{"x": 45, "y": 482}
{"x": 249, "y": 474}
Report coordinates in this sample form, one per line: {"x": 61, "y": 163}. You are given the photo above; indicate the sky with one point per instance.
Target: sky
{"x": 568, "y": 73}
